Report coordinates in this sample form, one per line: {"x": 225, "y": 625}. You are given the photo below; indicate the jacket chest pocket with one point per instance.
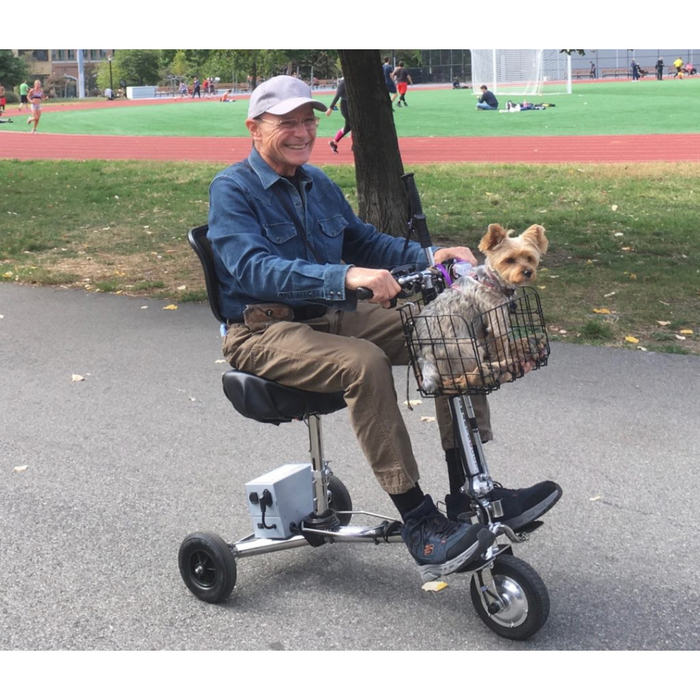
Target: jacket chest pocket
{"x": 281, "y": 233}
{"x": 332, "y": 229}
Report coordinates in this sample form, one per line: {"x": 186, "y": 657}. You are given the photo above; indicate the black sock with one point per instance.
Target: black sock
{"x": 406, "y": 502}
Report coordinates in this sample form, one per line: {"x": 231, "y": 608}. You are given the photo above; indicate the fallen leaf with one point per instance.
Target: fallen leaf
{"x": 170, "y": 307}
{"x": 427, "y": 419}
{"x": 184, "y": 286}
{"x": 610, "y": 295}
{"x": 601, "y": 311}
{"x": 144, "y": 307}
{"x": 77, "y": 378}
{"x": 633, "y": 276}
{"x": 680, "y": 337}
{"x": 434, "y": 586}
{"x": 541, "y": 286}
{"x": 686, "y": 331}
{"x": 595, "y": 498}
{"x": 619, "y": 233}
{"x": 8, "y": 274}
{"x": 665, "y": 303}
{"x": 631, "y": 339}
{"x": 413, "y": 402}
{"x": 22, "y": 468}
{"x": 614, "y": 207}
{"x": 641, "y": 348}
{"x": 563, "y": 332}
{"x": 664, "y": 323}
{"x": 220, "y": 362}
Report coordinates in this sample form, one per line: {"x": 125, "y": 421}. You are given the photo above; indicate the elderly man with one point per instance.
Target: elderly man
{"x": 284, "y": 236}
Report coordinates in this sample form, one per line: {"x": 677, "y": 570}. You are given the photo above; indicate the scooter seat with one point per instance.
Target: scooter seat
{"x": 269, "y": 402}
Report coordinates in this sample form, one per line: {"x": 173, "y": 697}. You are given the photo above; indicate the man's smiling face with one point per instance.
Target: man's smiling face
{"x": 284, "y": 149}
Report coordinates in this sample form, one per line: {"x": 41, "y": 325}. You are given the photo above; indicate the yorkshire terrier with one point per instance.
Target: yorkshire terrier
{"x": 463, "y": 339}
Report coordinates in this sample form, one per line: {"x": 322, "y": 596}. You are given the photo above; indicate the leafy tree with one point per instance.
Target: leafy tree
{"x": 180, "y": 66}
{"x": 12, "y": 69}
{"x": 378, "y": 167}
{"x": 137, "y": 66}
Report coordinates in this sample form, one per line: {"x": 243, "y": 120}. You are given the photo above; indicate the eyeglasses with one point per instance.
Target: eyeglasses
{"x": 291, "y": 124}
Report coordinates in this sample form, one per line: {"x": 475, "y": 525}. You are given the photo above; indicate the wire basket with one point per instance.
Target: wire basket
{"x": 453, "y": 355}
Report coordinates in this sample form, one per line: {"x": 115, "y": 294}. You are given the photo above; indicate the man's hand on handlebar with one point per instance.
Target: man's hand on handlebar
{"x": 384, "y": 287}
{"x": 458, "y": 252}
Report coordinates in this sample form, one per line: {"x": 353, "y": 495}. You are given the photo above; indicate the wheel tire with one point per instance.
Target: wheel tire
{"x": 526, "y": 596}
{"x": 207, "y": 566}
{"x": 339, "y": 498}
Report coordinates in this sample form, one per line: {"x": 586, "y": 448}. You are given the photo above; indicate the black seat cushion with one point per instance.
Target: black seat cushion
{"x": 269, "y": 402}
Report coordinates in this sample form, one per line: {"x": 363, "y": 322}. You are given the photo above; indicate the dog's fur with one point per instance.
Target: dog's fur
{"x": 455, "y": 315}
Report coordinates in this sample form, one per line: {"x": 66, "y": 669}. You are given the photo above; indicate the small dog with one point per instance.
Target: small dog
{"x": 460, "y": 344}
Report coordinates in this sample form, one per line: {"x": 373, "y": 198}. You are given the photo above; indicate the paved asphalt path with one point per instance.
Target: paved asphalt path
{"x": 121, "y": 466}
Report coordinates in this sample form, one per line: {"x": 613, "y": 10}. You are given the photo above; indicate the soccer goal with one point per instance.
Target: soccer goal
{"x": 521, "y": 71}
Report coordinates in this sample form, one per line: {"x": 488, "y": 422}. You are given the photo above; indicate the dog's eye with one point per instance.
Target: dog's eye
{"x": 510, "y": 261}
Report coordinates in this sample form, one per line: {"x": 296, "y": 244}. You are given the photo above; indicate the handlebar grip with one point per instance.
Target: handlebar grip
{"x": 363, "y": 293}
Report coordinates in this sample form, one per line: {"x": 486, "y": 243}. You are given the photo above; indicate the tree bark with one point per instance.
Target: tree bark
{"x": 378, "y": 168}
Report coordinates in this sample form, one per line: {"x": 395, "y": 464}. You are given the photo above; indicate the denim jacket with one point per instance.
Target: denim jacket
{"x": 273, "y": 243}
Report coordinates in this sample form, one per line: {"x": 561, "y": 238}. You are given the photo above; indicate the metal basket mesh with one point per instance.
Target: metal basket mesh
{"x": 452, "y": 355}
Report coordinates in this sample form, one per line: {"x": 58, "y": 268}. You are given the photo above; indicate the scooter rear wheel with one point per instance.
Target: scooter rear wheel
{"x": 339, "y": 499}
{"x": 523, "y": 607}
{"x": 207, "y": 566}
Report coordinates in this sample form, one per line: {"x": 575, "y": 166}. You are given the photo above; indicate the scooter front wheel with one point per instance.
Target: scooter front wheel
{"x": 207, "y": 566}
{"x": 519, "y": 605}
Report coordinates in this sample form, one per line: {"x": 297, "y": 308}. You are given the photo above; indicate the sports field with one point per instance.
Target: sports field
{"x": 616, "y": 107}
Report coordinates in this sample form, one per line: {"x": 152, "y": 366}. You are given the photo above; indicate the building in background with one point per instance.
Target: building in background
{"x": 58, "y": 69}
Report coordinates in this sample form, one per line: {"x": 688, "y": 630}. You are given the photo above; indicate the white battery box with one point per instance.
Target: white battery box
{"x": 279, "y": 500}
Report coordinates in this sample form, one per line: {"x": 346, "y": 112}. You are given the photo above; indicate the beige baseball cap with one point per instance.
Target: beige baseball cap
{"x": 281, "y": 95}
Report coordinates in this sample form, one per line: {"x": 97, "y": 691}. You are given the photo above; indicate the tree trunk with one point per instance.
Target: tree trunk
{"x": 378, "y": 168}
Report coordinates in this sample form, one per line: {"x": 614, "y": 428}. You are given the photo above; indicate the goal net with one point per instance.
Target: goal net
{"x": 521, "y": 71}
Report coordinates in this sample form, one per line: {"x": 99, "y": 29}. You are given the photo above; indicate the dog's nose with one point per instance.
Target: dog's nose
{"x": 527, "y": 273}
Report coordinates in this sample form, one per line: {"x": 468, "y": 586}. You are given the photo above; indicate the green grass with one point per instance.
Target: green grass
{"x": 122, "y": 227}
{"x": 618, "y": 107}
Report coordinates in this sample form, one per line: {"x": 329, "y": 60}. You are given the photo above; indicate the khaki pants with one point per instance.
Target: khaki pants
{"x": 351, "y": 352}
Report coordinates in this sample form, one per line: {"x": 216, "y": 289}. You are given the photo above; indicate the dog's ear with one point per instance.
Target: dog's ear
{"x": 535, "y": 236}
{"x": 495, "y": 235}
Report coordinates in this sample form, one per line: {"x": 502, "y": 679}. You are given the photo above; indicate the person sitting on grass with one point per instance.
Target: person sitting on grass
{"x": 226, "y": 97}
{"x": 487, "y": 100}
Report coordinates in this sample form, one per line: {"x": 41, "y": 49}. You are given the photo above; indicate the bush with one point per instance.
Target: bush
{"x": 11, "y": 97}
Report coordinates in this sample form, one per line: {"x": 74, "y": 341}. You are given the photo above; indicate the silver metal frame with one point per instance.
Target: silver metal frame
{"x": 478, "y": 481}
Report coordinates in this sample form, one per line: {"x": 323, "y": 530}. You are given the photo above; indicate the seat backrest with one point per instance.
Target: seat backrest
{"x": 202, "y": 246}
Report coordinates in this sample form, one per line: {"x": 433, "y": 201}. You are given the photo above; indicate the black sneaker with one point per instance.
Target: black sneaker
{"x": 440, "y": 546}
{"x": 523, "y": 506}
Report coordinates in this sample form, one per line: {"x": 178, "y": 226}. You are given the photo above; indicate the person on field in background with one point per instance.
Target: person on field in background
{"x": 403, "y": 80}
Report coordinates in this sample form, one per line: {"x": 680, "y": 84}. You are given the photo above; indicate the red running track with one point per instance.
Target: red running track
{"x": 533, "y": 149}
{"x": 492, "y": 149}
